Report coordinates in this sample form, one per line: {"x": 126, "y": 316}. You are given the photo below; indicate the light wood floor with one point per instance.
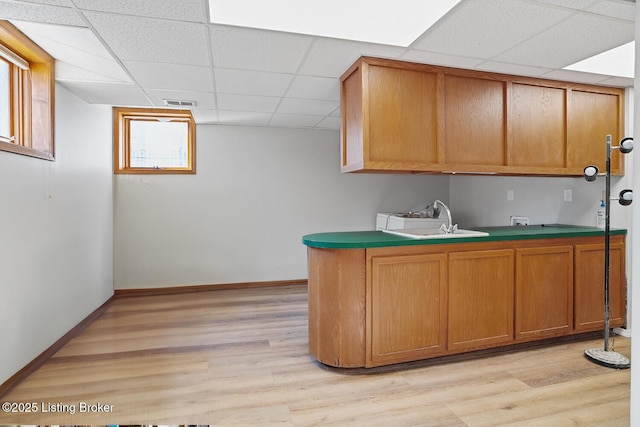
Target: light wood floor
{"x": 239, "y": 357}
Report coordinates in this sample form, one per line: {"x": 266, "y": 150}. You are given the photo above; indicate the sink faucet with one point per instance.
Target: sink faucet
{"x": 449, "y": 228}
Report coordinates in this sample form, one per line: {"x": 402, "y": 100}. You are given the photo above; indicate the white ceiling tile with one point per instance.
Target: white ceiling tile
{"x": 110, "y": 94}
{"x": 241, "y": 76}
{"x": 435, "y": 58}
{"x": 330, "y": 123}
{"x": 307, "y": 106}
{"x": 78, "y": 51}
{"x": 258, "y": 104}
{"x": 295, "y": 120}
{"x": 153, "y": 40}
{"x": 310, "y": 87}
{"x": 577, "y": 38}
{"x": 40, "y": 13}
{"x": 571, "y": 4}
{"x": 615, "y": 9}
{"x": 332, "y": 57}
{"x": 153, "y": 75}
{"x": 183, "y": 10}
{"x": 575, "y": 76}
{"x": 243, "y": 118}
{"x": 64, "y": 3}
{"x": 483, "y": 29}
{"x": 518, "y": 70}
{"x": 204, "y": 100}
{"x": 250, "y": 49}
{"x": 618, "y": 81}
{"x": 71, "y": 72}
{"x": 202, "y": 116}
{"x": 251, "y": 82}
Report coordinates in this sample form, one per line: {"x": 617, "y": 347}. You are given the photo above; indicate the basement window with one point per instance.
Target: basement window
{"x": 153, "y": 141}
{"x": 26, "y": 95}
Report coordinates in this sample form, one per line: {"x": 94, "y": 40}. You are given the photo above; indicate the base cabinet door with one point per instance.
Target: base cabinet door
{"x": 480, "y": 298}
{"x": 406, "y": 308}
{"x": 589, "y": 286}
{"x": 544, "y": 292}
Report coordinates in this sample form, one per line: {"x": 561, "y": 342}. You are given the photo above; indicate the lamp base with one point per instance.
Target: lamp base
{"x": 610, "y": 359}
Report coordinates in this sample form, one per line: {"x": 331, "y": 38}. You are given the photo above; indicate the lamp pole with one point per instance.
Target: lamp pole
{"x": 605, "y": 356}
{"x": 607, "y": 235}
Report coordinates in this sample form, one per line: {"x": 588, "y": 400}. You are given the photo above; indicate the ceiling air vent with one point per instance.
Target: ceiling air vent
{"x": 178, "y": 103}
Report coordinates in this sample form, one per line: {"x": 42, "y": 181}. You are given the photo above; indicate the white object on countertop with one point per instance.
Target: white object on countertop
{"x": 600, "y": 215}
{"x": 436, "y": 233}
{"x": 389, "y": 221}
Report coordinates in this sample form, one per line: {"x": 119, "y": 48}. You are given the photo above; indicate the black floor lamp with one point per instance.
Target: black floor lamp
{"x": 604, "y": 356}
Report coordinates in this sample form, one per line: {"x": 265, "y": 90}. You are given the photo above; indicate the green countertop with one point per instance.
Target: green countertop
{"x": 377, "y": 239}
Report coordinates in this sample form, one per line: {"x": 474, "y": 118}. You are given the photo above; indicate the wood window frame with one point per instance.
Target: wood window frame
{"x": 32, "y": 96}
{"x": 122, "y": 116}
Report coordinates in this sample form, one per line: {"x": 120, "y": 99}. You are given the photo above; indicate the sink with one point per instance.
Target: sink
{"x": 435, "y": 233}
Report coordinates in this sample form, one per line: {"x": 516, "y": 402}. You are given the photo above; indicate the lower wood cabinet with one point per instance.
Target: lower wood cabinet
{"x": 379, "y": 306}
{"x": 406, "y": 308}
{"x": 480, "y": 298}
{"x": 589, "y": 291}
{"x": 544, "y": 292}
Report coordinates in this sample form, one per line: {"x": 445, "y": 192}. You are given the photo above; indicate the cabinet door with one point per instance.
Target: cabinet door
{"x": 589, "y": 286}
{"x": 480, "y": 298}
{"x": 544, "y": 292}
{"x": 402, "y": 116}
{"x": 591, "y": 117}
{"x": 537, "y": 126}
{"x": 406, "y": 308}
{"x": 474, "y": 121}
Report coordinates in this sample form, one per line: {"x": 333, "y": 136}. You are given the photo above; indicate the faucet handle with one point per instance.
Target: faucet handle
{"x": 449, "y": 230}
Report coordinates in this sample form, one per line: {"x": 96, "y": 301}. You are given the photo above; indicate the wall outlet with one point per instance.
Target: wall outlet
{"x": 568, "y": 195}
{"x": 509, "y": 195}
{"x": 519, "y": 220}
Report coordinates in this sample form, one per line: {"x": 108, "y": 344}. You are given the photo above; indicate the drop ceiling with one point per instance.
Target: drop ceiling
{"x": 139, "y": 52}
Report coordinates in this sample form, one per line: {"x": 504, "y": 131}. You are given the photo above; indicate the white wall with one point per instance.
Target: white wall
{"x": 241, "y": 218}
{"x": 56, "y": 225}
{"x": 482, "y": 200}
{"x": 635, "y": 247}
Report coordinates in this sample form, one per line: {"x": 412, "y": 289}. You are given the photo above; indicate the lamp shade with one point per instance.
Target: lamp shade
{"x": 590, "y": 173}
{"x": 626, "y": 197}
{"x": 626, "y": 145}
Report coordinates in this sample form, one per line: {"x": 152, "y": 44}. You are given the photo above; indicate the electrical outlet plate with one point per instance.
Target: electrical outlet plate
{"x": 519, "y": 220}
{"x": 568, "y": 195}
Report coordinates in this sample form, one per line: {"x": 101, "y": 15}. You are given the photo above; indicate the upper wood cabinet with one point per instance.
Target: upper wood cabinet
{"x": 474, "y": 121}
{"x": 402, "y": 102}
{"x": 590, "y": 118}
{"x": 537, "y": 126}
{"x": 407, "y": 117}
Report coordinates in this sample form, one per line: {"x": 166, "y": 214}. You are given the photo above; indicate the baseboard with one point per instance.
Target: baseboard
{"x": 120, "y": 293}
{"x": 36, "y": 363}
{"x": 622, "y": 332}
